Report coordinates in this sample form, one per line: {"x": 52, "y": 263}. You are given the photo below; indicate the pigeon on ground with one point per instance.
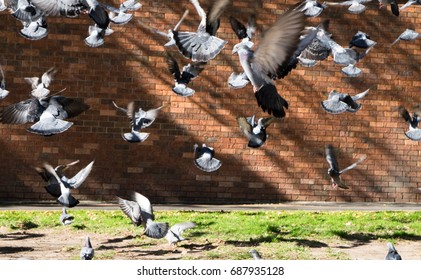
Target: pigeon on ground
{"x": 355, "y": 6}
{"x": 202, "y": 45}
{"x": 138, "y": 121}
{"x": 334, "y": 171}
{"x": 361, "y": 40}
{"x": 393, "y": 6}
{"x": 204, "y": 158}
{"x": 407, "y": 35}
{"x": 311, "y": 8}
{"x": 48, "y": 114}
{"x": 65, "y": 218}
{"x": 409, "y": 3}
{"x": 174, "y": 233}
{"x": 140, "y": 211}
{"x": 413, "y": 133}
{"x": 271, "y": 60}
{"x": 254, "y": 130}
{"x": 255, "y": 254}
{"x": 340, "y": 102}
{"x": 40, "y": 85}
{"x": 3, "y": 91}
{"x": 87, "y": 252}
{"x": 392, "y": 254}
{"x": 60, "y": 186}
{"x": 182, "y": 78}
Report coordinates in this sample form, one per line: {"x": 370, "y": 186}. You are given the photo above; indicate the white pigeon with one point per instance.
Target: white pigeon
{"x": 407, "y": 35}
{"x": 355, "y": 6}
{"x": 3, "y": 91}
{"x": 40, "y": 85}
{"x": 413, "y": 132}
{"x": 338, "y": 102}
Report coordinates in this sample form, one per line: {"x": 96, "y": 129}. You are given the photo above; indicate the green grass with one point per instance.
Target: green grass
{"x": 280, "y": 234}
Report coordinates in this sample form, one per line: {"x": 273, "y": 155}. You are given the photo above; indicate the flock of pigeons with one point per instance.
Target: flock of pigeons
{"x": 283, "y": 46}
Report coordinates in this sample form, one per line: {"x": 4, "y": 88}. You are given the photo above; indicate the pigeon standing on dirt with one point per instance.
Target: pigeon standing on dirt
{"x": 254, "y": 130}
{"x": 340, "y": 102}
{"x": 66, "y": 219}
{"x": 3, "y": 91}
{"x": 255, "y": 254}
{"x": 87, "y": 252}
{"x": 413, "y": 133}
{"x": 139, "y": 210}
{"x": 174, "y": 233}
{"x": 204, "y": 158}
{"x": 392, "y": 254}
{"x": 334, "y": 172}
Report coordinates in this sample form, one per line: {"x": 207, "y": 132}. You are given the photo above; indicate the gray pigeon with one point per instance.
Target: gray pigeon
{"x": 361, "y": 40}
{"x": 254, "y": 130}
{"x": 40, "y": 85}
{"x": 392, "y": 254}
{"x": 311, "y": 8}
{"x": 204, "y": 158}
{"x": 270, "y": 60}
{"x": 3, "y": 91}
{"x": 255, "y": 254}
{"x": 319, "y": 48}
{"x": 413, "y": 133}
{"x": 153, "y": 229}
{"x": 334, "y": 172}
{"x": 407, "y": 35}
{"x": 174, "y": 233}
{"x": 138, "y": 121}
{"x": 87, "y": 251}
{"x": 65, "y": 218}
{"x": 119, "y": 15}
{"x": 340, "y": 102}
{"x": 202, "y": 45}
{"x": 355, "y": 6}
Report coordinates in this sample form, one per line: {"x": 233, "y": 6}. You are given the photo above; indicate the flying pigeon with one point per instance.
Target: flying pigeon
{"x": 271, "y": 60}
{"x": 3, "y": 91}
{"x": 202, "y": 45}
{"x": 407, "y": 35}
{"x": 255, "y": 254}
{"x": 35, "y": 30}
{"x": 361, "y": 40}
{"x": 60, "y": 186}
{"x": 140, "y": 211}
{"x": 340, "y": 102}
{"x": 254, "y": 130}
{"x": 319, "y": 48}
{"x": 40, "y": 85}
{"x": 119, "y": 15}
{"x": 414, "y": 133}
{"x": 174, "y": 233}
{"x": 182, "y": 78}
{"x": 65, "y": 218}
{"x": 355, "y": 6}
{"x": 311, "y": 8}
{"x": 244, "y": 32}
{"x": 393, "y": 6}
{"x": 138, "y": 120}
{"x": 334, "y": 171}
{"x": 392, "y": 254}
{"x": 409, "y": 3}
{"x": 204, "y": 158}
{"x": 87, "y": 252}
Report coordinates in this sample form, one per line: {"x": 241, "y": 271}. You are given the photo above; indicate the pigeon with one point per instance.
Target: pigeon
{"x": 87, "y": 252}
{"x": 355, "y": 6}
{"x": 393, "y": 6}
{"x": 174, "y": 233}
{"x": 361, "y": 40}
{"x": 244, "y": 32}
{"x": 334, "y": 171}
{"x": 255, "y": 254}
{"x": 3, "y": 91}
{"x": 48, "y": 114}
{"x": 340, "y": 102}
{"x": 407, "y": 35}
{"x": 311, "y": 8}
{"x": 40, "y": 85}
{"x": 237, "y": 81}
{"x": 409, "y": 3}
{"x": 138, "y": 120}
{"x": 60, "y": 186}
{"x": 35, "y": 30}
{"x": 202, "y": 45}
{"x": 182, "y": 78}
{"x": 254, "y": 130}
{"x": 319, "y": 48}
{"x": 140, "y": 211}
{"x": 65, "y": 218}
{"x": 119, "y": 15}
{"x": 204, "y": 158}
{"x": 392, "y": 254}
{"x": 268, "y": 62}
{"x": 413, "y": 133}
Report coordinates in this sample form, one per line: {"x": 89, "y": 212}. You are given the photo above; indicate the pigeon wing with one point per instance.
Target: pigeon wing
{"x": 131, "y": 209}
{"x": 77, "y": 180}
{"x": 239, "y": 28}
{"x": 361, "y": 159}
{"x": 331, "y": 158}
{"x": 173, "y": 67}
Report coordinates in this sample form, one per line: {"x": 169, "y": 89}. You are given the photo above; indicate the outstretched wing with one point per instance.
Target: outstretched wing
{"x": 362, "y": 158}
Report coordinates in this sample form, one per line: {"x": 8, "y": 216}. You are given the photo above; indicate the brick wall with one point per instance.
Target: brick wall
{"x": 291, "y": 165}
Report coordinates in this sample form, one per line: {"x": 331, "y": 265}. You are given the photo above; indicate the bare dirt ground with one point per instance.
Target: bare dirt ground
{"x": 64, "y": 244}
